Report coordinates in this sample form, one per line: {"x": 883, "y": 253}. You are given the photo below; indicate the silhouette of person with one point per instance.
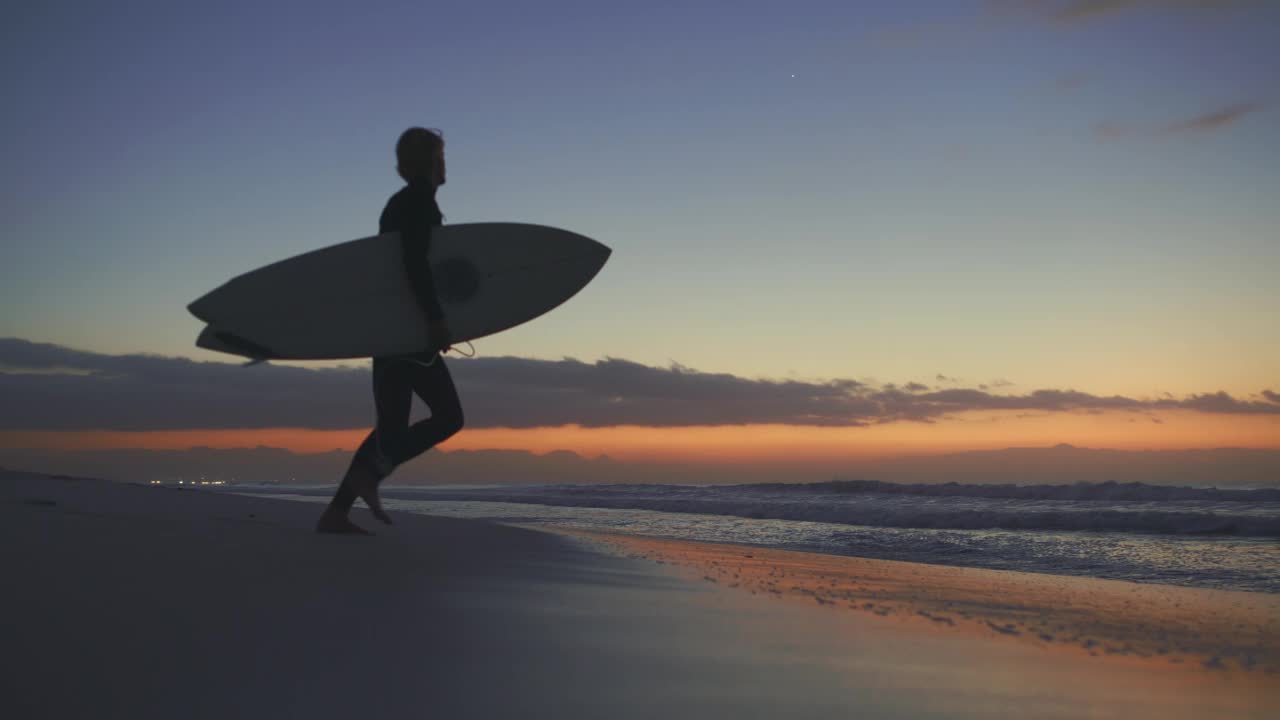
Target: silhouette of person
{"x": 413, "y": 212}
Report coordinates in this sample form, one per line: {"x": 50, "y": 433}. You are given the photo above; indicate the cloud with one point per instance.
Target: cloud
{"x": 1215, "y": 120}
{"x": 147, "y": 392}
{"x": 960, "y": 27}
{"x": 1221, "y": 402}
{"x": 1081, "y": 11}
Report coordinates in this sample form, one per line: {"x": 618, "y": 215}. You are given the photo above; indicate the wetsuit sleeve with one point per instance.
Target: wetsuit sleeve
{"x": 415, "y": 241}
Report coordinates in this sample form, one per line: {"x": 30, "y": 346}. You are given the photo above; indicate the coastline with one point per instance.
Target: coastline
{"x": 1219, "y": 630}
{"x": 139, "y": 601}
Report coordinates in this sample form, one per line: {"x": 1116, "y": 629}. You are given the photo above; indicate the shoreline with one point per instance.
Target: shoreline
{"x": 1094, "y": 617}
{"x": 137, "y": 601}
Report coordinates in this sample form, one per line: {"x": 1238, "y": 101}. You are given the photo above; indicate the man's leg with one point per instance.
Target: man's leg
{"x": 392, "y": 390}
{"x": 434, "y": 384}
{"x": 335, "y": 516}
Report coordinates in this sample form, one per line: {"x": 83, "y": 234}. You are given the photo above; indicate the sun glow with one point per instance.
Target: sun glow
{"x": 745, "y": 443}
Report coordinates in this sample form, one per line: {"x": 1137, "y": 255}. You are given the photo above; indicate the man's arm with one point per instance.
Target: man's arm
{"x": 415, "y": 241}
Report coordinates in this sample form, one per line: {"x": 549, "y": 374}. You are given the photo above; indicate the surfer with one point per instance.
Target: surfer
{"x": 413, "y": 212}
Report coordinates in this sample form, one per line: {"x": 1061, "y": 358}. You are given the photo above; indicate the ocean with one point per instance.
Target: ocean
{"x": 1200, "y": 537}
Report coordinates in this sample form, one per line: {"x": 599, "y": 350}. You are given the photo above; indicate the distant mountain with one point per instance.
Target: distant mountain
{"x": 1223, "y": 467}
{"x": 1068, "y": 464}
{"x": 266, "y": 465}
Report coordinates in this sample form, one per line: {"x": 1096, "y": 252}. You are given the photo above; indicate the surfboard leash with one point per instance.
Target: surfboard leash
{"x": 465, "y": 355}
{"x": 429, "y": 363}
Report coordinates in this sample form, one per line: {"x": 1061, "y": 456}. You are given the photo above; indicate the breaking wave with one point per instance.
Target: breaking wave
{"x": 1101, "y": 507}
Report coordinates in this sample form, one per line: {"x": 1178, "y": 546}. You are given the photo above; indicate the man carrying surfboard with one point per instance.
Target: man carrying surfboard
{"x": 412, "y": 212}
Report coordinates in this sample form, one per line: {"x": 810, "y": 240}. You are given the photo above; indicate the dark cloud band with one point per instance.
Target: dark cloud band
{"x": 48, "y": 387}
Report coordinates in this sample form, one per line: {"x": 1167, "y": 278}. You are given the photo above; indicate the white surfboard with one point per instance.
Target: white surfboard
{"x": 354, "y": 300}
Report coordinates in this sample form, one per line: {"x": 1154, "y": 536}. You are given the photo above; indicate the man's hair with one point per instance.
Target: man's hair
{"x": 416, "y": 151}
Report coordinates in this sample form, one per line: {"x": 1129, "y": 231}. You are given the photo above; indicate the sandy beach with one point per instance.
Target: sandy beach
{"x": 1214, "y": 629}
{"x": 133, "y": 601}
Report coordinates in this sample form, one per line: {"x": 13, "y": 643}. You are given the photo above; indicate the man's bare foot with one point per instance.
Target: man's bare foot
{"x": 365, "y": 484}
{"x": 331, "y": 522}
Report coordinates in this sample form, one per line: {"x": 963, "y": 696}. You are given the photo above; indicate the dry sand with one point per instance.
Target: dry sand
{"x": 134, "y": 601}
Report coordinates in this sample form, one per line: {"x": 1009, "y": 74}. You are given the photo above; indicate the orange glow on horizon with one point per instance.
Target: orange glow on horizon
{"x": 749, "y": 443}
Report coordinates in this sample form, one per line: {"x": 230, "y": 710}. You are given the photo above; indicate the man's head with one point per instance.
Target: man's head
{"x": 420, "y": 156}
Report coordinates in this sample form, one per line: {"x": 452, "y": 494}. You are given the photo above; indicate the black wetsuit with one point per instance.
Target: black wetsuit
{"x": 413, "y": 212}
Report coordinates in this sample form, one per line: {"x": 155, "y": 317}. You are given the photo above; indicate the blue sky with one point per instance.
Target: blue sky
{"x": 987, "y": 190}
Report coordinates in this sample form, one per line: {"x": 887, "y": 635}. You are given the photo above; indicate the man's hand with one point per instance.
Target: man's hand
{"x": 442, "y": 336}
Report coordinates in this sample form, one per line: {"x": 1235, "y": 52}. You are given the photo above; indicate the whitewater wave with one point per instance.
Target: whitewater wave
{"x": 1104, "y": 491}
{"x": 1102, "y": 507}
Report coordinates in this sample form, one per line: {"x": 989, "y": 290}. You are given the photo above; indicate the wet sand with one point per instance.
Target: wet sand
{"x": 132, "y": 601}
{"x": 1235, "y": 632}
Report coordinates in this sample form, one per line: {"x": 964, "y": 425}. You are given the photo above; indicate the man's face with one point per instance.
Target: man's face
{"x": 440, "y": 170}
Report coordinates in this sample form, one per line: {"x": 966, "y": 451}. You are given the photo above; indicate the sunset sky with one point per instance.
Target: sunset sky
{"x": 838, "y": 228}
